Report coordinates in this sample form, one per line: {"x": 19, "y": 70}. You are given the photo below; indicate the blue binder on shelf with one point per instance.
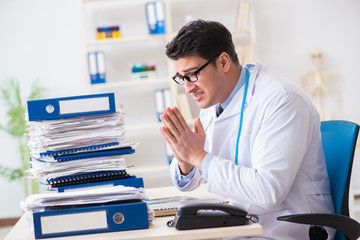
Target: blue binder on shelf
{"x": 162, "y": 100}
{"x": 160, "y": 17}
{"x": 88, "y": 220}
{"x": 132, "y": 181}
{"x": 155, "y": 17}
{"x": 97, "y": 70}
{"x": 159, "y": 102}
{"x": 55, "y": 108}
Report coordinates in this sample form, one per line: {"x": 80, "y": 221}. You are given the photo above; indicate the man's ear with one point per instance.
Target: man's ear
{"x": 224, "y": 61}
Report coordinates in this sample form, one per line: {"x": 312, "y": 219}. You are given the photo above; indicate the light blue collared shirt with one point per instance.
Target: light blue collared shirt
{"x": 184, "y": 179}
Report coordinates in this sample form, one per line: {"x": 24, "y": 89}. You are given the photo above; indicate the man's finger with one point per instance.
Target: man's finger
{"x": 199, "y": 128}
{"x": 169, "y": 140}
{"x": 173, "y": 119}
{"x": 165, "y": 119}
{"x": 180, "y": 118}
{"x": 167, "y": 135}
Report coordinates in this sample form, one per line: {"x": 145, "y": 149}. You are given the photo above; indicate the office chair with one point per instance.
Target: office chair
{"x": 339, "y": 140}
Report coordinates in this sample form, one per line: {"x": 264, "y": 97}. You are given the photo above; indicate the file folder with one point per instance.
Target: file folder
{"x": 92, "y": 67}
{"x": 132, "y": 181}
{"x": 101, "y": 74}
{"x": 162, "y": 100}
{"x": 88, "y": 220}
{"x": 155, "y": 16}
{"x": 88, "y": 177}
{"x": 97, "y": 71}
{"x": 55, "y": 108}
{"x": 108, "y": 152}
{"x": 151, "y": 17}
{"x": 160, "y": 17}
{"x": 69, "y": 151}
{"x": 159, "y": 102}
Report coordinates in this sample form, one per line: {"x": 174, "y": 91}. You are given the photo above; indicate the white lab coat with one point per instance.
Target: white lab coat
{"x": 281, "y": 167}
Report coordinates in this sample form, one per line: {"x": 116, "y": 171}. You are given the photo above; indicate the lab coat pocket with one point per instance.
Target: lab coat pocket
{"x": 243, "y": 149}
{"x": 318, "y": 196}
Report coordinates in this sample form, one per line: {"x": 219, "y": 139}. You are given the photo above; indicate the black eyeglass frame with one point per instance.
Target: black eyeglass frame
{"x": 187, "y": 78}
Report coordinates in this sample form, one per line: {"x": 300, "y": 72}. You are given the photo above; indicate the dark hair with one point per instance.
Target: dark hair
{"x": 202, "y": 38}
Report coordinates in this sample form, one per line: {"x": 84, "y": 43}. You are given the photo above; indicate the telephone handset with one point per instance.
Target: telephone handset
{"x": 209, "y": 215}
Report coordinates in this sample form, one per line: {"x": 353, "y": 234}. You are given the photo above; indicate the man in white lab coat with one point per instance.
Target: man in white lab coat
{"x": 280, "y": 167}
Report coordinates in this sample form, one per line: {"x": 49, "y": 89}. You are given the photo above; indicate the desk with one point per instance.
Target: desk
{"x": 158, "y": 229}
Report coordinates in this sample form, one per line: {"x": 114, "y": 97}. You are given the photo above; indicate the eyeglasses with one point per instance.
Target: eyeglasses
{"x": 191, "y": 77}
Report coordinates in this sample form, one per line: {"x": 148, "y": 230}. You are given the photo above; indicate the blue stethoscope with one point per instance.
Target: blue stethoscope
{"x": 241, "y": 114}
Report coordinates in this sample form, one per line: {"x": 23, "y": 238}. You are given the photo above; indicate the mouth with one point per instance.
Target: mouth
{"x": 197, "y": 96}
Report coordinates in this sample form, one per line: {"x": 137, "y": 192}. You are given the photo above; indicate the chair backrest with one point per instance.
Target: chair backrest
{"x": 339, "y": 141}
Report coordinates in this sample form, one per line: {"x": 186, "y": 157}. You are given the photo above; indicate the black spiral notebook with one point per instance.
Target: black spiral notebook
{"x": 89, "y": 177}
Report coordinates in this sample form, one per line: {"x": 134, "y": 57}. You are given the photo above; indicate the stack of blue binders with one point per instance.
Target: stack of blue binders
{"x": 64, "y": 160}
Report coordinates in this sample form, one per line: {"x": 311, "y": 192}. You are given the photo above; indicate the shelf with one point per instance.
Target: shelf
{"x": 86, "y": 1}
{"x": 137, "y": 45}
{"x": 143, "y": 126}
{"x": 163, "y": 37}
{"x": 126, "y": 40}
{"x": 102, "y": 1}
{"x": 102, "y": 86}
{"x": 153, "y": 169}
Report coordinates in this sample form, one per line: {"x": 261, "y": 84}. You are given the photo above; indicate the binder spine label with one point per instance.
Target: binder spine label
{"x": 73, "y": 222}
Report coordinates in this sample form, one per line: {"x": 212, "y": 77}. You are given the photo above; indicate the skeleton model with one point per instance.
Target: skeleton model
{"x": 320, "y": 84}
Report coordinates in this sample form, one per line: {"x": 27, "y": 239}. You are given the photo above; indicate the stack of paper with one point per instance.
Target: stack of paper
{"x": 75, "y": 132}
{"x": 76, "y": 147}
{"x": 81, "y": 198}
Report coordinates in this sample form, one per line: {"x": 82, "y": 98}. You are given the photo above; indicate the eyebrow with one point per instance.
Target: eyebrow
{"x": 189, "y": 69}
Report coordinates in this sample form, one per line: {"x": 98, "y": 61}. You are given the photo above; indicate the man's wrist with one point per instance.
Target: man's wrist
{"x": 185, "y": 168}
{"x": 199, "y": 160}
{"x": 205, "y": 165}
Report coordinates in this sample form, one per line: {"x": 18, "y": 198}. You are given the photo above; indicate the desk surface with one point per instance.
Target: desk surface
{"x": 158, "y": 228}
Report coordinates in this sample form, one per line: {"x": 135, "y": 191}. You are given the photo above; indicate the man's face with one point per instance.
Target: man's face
{"x": 208, "y": 90}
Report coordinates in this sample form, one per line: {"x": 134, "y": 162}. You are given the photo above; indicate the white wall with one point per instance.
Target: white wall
{"x": 38, "y": 39}
{"x": 43, "y": 39}
{"x": 287, "y": 30}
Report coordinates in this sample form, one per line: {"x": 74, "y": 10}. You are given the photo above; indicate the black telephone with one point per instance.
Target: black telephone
{"x": 209, "y": 215}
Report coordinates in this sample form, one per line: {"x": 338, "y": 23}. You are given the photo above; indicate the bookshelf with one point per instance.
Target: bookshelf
{"x": 137, "y": 45}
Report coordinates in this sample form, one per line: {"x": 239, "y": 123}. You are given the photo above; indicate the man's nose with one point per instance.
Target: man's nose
{"x": 189, "y": 87}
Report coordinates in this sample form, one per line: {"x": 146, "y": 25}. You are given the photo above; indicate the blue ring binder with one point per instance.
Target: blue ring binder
{"x": 87, "y": 178}
{"x": 134, "y": 216}
{"x": 80, "y": 149}
{"x": 109, "y": 152}
{"x": 39, "y": 110}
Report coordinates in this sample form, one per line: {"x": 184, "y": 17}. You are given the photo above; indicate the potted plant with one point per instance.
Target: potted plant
{"x": 17, "y": 128}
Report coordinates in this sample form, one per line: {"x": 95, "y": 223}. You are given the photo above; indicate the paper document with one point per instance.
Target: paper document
{"x": 39, "y": 202}
{"x": 80, "y": 131}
